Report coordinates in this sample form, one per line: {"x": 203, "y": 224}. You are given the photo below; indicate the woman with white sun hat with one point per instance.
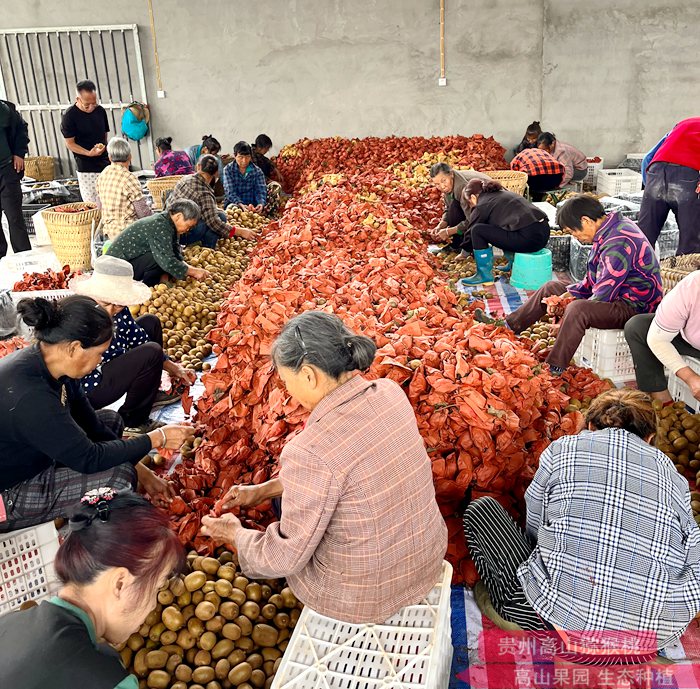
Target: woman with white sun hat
{"x": 134, "y": 361}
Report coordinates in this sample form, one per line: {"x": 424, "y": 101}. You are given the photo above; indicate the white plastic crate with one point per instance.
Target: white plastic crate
{"x": 592, "y": 174}
{"x": 608, "y": 354}
{"x": 32, "y": 261}
{"x": 618, "y": 181}
{"x": 680, "y": 391}
{"x": 26, "y": 566}
{"x": 411, "y": 650}
{"x": 50, "y": 294}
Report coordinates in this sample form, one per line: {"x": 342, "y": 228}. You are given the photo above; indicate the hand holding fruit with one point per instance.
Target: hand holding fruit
{"x": 198, "y": 273}
{"x": 159, "y": 490}
{"x": 179, "y": 373}
{"x": 96, "y": 150}
{"x": 242, "y": 496}
{"x": 556, "y": 305}
{"x": 175, "y": 436}
{"x": 245, "y": 233}
{"x": 221, "y": 529}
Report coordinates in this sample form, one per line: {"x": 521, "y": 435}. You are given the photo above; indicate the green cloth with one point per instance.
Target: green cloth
{"x": 5, "y": 122}
{"x": 154, "y": 235}
{"x": 130, "y": 681}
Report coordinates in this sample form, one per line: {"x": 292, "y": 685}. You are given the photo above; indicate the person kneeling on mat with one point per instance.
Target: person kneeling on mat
{"x": 503, "y": 219}
{"x": 133, "y": 363}
{"x": 452, "y": 227}
{"x": 610, "y": 554}
{"x": 622, "y": 279}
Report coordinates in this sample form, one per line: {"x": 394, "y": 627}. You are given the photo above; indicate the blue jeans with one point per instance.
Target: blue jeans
{"x": 202, "y": 233}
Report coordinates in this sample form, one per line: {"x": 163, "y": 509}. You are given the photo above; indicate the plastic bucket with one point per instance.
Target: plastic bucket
{"x": 531, "y": 271}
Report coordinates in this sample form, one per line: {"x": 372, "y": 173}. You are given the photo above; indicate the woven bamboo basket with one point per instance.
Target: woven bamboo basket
{"x": 158, "y": 185}
{"x": 510, "y": 179}
{"x": 675, "y": 268}
{"x": 41, "y": 168}
{"x": 70, "y": 229}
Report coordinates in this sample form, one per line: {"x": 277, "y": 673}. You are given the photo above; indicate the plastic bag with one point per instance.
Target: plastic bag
{"x": 8, "y": 315}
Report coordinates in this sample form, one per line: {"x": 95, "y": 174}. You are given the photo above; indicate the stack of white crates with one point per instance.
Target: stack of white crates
{"x": 411, "y": 650}
{"x": 607, "y": 353}
{"x": 618, "y": 181}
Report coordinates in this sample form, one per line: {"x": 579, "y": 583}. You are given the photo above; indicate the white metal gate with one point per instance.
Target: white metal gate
{"x": 39, "y": 69}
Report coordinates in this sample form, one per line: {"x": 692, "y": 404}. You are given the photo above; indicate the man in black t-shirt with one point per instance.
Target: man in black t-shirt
{"x": 84, "y": 127}
{"x": 14, "y": 142}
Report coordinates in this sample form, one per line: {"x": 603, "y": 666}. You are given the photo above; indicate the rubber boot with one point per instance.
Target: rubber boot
{"x": 484, "y": 268}
{"x": 509, "y": 255}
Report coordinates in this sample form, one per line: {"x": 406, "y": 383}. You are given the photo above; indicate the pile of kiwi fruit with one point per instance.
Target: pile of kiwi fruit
{"x": 237, "y": 216}
{"x": 213, "y": 628}
{"x": 188, "y": 308}
{"x": 678, "y": 436}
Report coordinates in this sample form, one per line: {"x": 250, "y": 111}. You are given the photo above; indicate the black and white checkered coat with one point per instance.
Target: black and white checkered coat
{"x": 617, "y": 545}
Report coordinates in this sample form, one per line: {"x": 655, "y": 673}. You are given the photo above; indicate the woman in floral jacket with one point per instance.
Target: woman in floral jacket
{"x": 171, "y": 162}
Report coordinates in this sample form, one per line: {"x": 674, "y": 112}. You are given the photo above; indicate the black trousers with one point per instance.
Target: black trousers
{"x": 11, "y": 205}
{"x": 498, "y": 547}
{"x": 146, "y": 269}
{"x": 541, "y": 184}
{"x": 56, "y": 491}
{"x": 648, "y": 370}
{"x": 455, "y": 215}
{"x": 526, "y": 240}
{"x": 136, "y": 373}
{"x": 672, "y": 188}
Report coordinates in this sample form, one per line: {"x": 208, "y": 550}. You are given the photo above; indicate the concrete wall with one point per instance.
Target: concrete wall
{"x": 609, "y": 78}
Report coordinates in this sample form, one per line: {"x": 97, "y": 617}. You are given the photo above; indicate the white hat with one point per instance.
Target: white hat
{"x": 112, "y": 282}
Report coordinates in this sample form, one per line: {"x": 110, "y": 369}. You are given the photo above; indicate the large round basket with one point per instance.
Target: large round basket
{"x": 41, "y": 168}
{"x": 510, "y": 179}
{"x": 70, "y": 229}
{"x": 158, "y": 185}
{"x": 675, "y": 268}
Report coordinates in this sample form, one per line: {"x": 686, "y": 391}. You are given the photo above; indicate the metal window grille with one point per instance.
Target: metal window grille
{"x": 39, "y": 69}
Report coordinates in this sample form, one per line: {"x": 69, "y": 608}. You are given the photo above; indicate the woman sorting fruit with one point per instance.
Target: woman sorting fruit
{"x": 53, "y": 445}
{"x": 360, "y": 534}
{"x": 210, "y": 146}
{"x": 199, "y": 188}
{"x": 151, "y": 244}
{"x": 501, "y": 218}
{"x": 453, "y": 227}
{"x": 610, "y": 558}
{"x": 622, "y": 279}
{"x": 573, "y": 160}
{"x": 120, "y": 550}
{"x": 244, "y": 182}
{"x": 544, "y": 172}
{"x": 660, "y": 341}
{"x": 134, "y": 361}
{"x": 171, "y": 162}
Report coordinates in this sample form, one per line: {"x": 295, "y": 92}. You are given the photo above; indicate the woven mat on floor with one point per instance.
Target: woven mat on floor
{"x": 487, "y": 658}
{"x": 504, "y": 297}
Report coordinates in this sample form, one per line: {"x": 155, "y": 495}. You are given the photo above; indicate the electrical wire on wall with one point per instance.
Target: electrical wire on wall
{"x": 442, "y": 81}
{"x": 159, "y": 82}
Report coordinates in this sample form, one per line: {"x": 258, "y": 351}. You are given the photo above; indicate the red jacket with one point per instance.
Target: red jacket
{"x": 682, "y": 145}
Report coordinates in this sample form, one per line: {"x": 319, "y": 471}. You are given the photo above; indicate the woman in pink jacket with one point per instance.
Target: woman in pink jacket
{"x": 574, "y": 162}
{"x": 360, "y": 534}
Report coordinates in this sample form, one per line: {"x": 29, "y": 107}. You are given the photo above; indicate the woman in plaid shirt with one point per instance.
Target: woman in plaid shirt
{"x": 361, "y": 535}
{"x": 544, "y": 171}
{"x": 611, "y": 554}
